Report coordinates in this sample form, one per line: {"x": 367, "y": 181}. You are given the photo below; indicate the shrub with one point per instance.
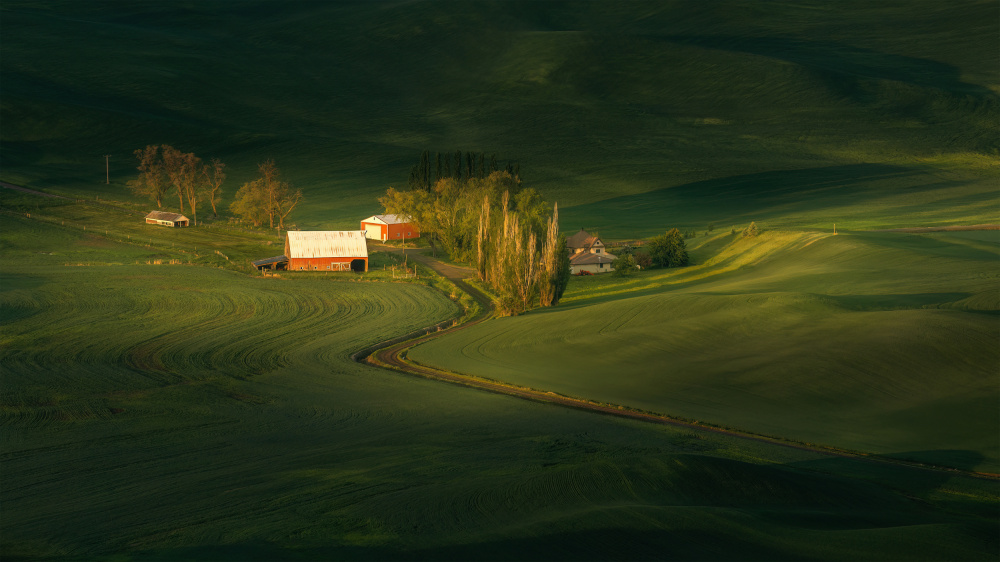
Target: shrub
{"x": 624, "y": 266}
{"x": 751, "y": 231}
{"x": 668, "y": 250}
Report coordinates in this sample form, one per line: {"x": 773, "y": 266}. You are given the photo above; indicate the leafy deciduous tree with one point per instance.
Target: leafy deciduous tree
{"x": 152, "y": 181}
{"x": 668, "y": 250}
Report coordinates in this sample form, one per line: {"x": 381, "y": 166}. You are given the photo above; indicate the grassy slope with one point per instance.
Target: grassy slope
{"x": 598, "y": 101}
{"x": 881, "y": 342}
{"x": 146, "y": 414}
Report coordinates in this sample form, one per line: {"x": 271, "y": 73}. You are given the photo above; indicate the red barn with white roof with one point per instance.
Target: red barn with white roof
{"x": 326, "y": 250}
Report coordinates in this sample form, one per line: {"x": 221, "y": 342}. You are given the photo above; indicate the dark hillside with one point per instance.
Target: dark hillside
{"x": 595, "y": 99}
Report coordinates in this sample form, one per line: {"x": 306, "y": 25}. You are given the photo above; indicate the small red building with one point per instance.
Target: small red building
{"x": 326, "y": 250}
{"x": 389, "y": 227}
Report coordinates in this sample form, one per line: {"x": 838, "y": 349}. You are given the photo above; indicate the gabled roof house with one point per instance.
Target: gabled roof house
{"x": 587, "y": 253}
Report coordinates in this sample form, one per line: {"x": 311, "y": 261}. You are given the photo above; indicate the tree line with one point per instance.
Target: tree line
{"x": 458, "y": 166}
{"x": 164, "y": 169}
{"x": 506, "y": 230}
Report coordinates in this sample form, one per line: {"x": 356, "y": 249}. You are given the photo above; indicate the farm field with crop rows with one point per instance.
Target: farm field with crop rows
{"x": 879, "y": 342}
{"x": 172, "y": 411}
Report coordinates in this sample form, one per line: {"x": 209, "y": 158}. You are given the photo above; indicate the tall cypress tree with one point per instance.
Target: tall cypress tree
{"x": 458, "y": 165}
{"x": 482, "y": 165}
{"x": 447, "y": 165}
{"x": 425, "y": 169}
{"x": 438, "y": 168}
{"x": 470, "y": 165}
{"x": 493, "y": 163}
{"x": 415, "y": 182}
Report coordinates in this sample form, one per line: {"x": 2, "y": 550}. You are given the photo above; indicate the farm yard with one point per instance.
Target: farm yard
{"x": 810, "y": 392}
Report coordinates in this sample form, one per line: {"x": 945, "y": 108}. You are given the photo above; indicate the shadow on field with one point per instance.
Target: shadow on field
{"x": 598, "y": 544}
{"x": 749, "y": 197}
{"x": 914, "y": 480}
{"x": 842, "y": 67}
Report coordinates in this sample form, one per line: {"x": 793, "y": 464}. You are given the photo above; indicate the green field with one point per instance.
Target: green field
{"x": 606, "y": 106}
{"x": 174, "y": 411}
{"x": 158, "y": 401}
{"x": 879, "y": 342}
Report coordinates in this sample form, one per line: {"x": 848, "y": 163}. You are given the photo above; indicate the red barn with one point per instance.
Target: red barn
{"x": 326, "y": 250}
{"x": 389, "y": 227}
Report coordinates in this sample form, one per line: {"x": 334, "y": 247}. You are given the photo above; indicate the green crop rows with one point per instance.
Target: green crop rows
{"x": 824, "y": 339}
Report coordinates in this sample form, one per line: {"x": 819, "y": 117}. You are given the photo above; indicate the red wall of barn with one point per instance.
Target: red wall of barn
{"x": 320, "y": 263}
{"x": 403, "y": 230}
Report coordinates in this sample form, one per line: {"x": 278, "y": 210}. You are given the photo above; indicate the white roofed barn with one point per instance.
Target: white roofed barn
{"x": 327, "y": 250}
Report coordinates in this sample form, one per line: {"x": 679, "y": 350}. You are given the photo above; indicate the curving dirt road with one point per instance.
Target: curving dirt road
{"x": 393, "y": 355}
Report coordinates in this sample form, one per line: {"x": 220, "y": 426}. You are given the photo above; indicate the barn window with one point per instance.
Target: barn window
{"x": 398, "y": 234}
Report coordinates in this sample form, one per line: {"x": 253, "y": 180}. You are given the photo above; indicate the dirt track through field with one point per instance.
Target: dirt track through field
{"x": 393, "y": 355}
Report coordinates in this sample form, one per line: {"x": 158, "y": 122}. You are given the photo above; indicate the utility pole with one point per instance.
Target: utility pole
{"x": 107, "y": 170}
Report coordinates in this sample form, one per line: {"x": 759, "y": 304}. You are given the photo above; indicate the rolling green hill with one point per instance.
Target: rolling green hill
{"x": 878, "y": 342}
{"x": 163, "y": 412}
{"x": 596, "y": 100}
{"x": 155, "y": 403}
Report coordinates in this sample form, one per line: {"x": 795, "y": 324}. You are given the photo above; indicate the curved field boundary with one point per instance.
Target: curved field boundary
{"x": 392, "y": 354}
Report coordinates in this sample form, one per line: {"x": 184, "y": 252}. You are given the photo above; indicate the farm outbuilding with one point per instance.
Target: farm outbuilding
{"x": 389, "y": 227}
{"x": 326, "y": 250}
{"x": 276, "y": 262}
{"x": 164, "y": 218}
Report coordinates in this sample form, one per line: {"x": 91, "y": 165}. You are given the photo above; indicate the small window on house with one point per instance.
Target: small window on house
{"x": 601, "y": 265}
{"x": 597, "y": 251}
{"x": 398, "y": 234}
{"x": 300, "y": 267}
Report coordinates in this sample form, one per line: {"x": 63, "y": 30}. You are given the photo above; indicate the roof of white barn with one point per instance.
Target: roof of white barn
{"x": 327, "y": 244}
{"x": 388, "y": 219}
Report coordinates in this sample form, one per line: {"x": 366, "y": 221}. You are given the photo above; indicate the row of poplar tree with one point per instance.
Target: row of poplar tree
{"x": 164, "y": 169}
{"x": 506, "y": 230}
{"x": 457, "y": 165}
